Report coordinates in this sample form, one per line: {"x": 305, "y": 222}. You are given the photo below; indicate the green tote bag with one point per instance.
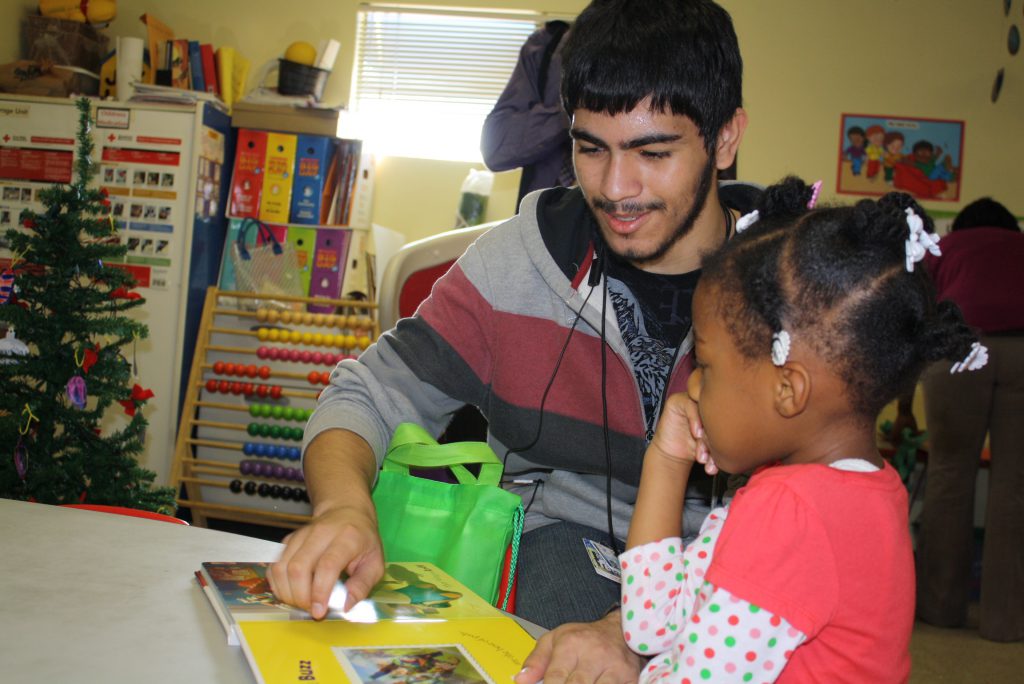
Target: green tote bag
{"x": 466, "y": 529}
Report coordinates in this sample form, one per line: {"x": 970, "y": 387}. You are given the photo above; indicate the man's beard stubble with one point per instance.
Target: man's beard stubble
{"x": 700, "y": 197}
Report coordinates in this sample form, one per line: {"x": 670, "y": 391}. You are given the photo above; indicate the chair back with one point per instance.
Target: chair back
{"x": 411, "y": 272}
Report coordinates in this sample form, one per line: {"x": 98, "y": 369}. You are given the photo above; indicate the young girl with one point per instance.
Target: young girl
{"x": 806, "y": 325}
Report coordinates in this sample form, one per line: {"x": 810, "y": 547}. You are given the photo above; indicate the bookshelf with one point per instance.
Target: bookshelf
{"x": 256, "y": 375}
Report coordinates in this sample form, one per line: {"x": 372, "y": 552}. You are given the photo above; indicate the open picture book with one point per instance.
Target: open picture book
{"x": 418, "y": 626}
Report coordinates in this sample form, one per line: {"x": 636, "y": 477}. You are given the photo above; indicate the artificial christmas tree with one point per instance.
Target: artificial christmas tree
{"x": 65, "y": 360}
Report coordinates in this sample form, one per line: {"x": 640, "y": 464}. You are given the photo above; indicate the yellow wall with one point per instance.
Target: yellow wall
{"x": 807, "y": 62}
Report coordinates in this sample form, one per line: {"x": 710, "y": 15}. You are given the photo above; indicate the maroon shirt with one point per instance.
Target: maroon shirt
{"x": 982, "y": 270}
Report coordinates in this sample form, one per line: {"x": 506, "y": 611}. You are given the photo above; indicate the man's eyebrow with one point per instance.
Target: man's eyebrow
{"x": 652, "y": 139}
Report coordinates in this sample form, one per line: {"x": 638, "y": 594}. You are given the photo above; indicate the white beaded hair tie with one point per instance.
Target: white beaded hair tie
{"x": 780, "y": 347}
{"x": 747, "y": 220}
{"x": 919, "y": 241}
{"x": 975, "y": 359}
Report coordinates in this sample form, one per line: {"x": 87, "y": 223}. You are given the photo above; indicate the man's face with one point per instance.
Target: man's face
{"x": 646, "y": 176}
{"x": 923, "y": 154}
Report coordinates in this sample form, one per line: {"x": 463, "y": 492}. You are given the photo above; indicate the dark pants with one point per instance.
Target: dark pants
{"x": 556, "y": 580}
{"x": 960, "y": 410}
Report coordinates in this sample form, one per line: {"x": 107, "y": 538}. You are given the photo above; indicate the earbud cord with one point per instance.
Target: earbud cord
{"x": 604, "y": 416}
{"x": 551, "y": 382}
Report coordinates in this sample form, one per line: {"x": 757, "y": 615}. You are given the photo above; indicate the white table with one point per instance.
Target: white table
{"x": 95, "y": 597}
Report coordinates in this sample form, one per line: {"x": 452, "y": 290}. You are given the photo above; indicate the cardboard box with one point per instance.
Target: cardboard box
{"x": 63, "y": 42}
{"x": 285, "y": 119}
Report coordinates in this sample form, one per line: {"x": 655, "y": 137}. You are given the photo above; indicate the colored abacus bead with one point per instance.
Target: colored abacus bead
{"x": 235, "y": 486}
{"x": 262, "y": 390}
{"x": 249, "y": 488}
{"x": 275, "y": 392}
{"x": 263, "y": 490}
{"x": 254, "y": 410}
{"x": 262, "y": 352}
{"x": 274, "y": 353}
{"x": 211, "y": 385}
{"x": 325, "y": 378}
{"x": 223, "y": 386}
{"x": 264, "y": 372}
{"x": 218, "y": 367}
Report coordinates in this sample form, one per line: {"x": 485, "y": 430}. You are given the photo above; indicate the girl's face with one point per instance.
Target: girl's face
{"x": 733, "y": 393}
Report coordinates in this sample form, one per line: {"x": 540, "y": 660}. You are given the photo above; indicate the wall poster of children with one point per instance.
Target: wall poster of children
{"x": 922, "y": 157}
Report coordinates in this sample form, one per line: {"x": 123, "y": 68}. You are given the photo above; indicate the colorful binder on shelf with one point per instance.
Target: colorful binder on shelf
{"x": 312, "y": 159}
{"x": 275, "y": 203}
{"x": 247, "y": 179}
{"x": 304, "y": 241}
{"x": 328, "y": 266}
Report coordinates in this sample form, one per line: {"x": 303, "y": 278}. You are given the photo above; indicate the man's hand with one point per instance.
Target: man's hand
{"x": 342, "y": 539}
{"x": 584, "y": 653}
{"x": 339, "y": 467}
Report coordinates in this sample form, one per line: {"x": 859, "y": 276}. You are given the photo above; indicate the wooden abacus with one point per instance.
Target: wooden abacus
{"x": 244, "y": 478}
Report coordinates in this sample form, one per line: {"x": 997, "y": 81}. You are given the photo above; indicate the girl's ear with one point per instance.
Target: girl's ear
{"x": 792, "y": 389}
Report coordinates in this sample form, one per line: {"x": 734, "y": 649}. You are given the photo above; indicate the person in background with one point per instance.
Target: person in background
{"x": 528, "y": 127}
{"x": 807, "y": 324}
{"x": 982, "y": 270}
{"x": 566, "y": 325}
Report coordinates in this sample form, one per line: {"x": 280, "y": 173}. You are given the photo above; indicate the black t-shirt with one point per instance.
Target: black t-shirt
{"x": 654, "y": 315}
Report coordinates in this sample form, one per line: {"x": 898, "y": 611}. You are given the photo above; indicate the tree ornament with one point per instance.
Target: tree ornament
{"x": 90, "y": 357}
{"x": 21, "y": 459}
{"x": 76, "y": 389}
{"x": 11, "y": 348}
{"x": 139, "y": 395}
{"x": 6, "y": 285}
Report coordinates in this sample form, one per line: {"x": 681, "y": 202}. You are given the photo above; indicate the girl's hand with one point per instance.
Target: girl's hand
{"x": 680, "y": 433}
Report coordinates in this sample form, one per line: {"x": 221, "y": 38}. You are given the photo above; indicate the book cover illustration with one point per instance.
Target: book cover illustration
{"x": 419, "y": 626}
{"x": 428, "y": 663}
{"x": 408, "y": 591}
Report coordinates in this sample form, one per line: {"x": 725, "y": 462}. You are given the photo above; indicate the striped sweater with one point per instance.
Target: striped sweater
{"x": 491, "y": 335}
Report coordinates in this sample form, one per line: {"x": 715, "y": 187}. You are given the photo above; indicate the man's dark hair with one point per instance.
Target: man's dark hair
{"x": 682, "y": 53}
{"x": 985, "y": 212}
{"x": 923, "y": 145}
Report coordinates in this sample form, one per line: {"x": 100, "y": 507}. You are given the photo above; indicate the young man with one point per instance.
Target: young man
{"x": 567, "y": 326}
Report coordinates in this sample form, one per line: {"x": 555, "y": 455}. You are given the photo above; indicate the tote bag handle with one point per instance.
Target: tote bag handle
{"x": 262, "y": 232}
{"x": 413, "y": 447}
